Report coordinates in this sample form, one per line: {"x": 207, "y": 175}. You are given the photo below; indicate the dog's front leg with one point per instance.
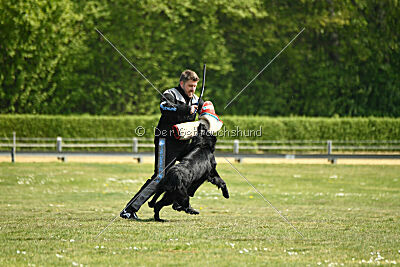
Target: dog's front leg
{"x": 167, "y": 199}
{"x": 215, "y": 179}
{"x": 154, "y": 199}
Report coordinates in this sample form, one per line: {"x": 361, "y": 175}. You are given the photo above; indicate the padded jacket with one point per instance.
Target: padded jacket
{"x": 175, "y": 108}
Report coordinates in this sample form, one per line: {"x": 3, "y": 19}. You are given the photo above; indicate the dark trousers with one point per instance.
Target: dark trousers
{"x": 167, "y": 150}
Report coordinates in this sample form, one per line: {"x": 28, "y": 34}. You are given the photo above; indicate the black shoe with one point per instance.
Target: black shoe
{"x": 130, "y": 215}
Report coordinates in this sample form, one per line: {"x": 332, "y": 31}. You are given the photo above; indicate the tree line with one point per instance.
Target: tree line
{"x": 345, "y": 62}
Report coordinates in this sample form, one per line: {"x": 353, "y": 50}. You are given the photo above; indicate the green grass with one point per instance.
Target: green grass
{"x": 51, "y": 213}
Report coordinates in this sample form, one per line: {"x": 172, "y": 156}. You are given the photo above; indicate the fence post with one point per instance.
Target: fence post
{"x": 135, "y": 145}
{"x": 236, "y": 150}
{"x": 332, "y": 160}
{"x": 14, "y": 147}
{"x": 59, "y": 144}
{"x": 236, "y": 146}
{"x": 63, "y": 158}
{"x": 329, "y": 142}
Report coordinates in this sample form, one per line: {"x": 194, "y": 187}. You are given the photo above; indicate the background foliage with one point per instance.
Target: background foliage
{"x": 345, "y": 63}
{"x": 293, "y": 128}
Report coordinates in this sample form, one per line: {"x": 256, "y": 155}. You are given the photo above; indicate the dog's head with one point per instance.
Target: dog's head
{"x": 204, "y": 138}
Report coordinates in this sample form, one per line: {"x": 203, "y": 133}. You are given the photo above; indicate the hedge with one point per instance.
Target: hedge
{"x": 284, "y": 128}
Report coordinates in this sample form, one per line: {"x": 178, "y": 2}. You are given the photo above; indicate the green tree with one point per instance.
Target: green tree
{"x": 345, "y": 63}
{"x": 36, "y": 38}
{"x": 160, "y": 39}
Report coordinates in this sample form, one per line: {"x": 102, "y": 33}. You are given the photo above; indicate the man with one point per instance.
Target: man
{"x": 178, "y": 105}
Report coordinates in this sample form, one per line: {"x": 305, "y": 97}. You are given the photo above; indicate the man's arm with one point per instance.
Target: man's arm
{"x": 169, "y": 107}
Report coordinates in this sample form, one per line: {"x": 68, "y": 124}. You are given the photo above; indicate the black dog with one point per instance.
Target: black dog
{"x": 183, "y": 179}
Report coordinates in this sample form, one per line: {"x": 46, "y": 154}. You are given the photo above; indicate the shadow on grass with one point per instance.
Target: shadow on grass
{"x": 152, "y": 220}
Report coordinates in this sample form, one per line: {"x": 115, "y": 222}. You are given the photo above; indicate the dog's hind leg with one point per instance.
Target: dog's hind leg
{"x": 193, "y": 187}
{"x": 183, "y": 201}
{"x": 167, "y": 199}
{"x": 190, "y": 210}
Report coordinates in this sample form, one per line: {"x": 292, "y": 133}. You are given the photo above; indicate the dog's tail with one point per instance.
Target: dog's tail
{"x": 173, "y": 180}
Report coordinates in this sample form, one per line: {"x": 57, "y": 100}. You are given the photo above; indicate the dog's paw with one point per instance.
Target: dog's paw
{"x": 192, "y": 211}
{"x": 177, "y": 207}
{"x": 225, "y": 192}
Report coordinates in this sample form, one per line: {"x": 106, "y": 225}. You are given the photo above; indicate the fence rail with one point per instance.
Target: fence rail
{"x": 264, "y": 146}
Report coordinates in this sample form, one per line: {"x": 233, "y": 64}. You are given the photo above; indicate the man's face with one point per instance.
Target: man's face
{"x": 189, "y": 87}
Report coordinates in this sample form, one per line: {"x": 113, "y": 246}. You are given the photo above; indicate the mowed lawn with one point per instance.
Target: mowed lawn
{"x": 349, "y": 214}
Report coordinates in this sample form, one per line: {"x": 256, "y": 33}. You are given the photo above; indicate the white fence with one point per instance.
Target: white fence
{"x": 329, "y": 149}
{"x": 134, "y": 144}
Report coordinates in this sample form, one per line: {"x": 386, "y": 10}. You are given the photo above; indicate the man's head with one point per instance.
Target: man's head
{"x": 188, "y": 82}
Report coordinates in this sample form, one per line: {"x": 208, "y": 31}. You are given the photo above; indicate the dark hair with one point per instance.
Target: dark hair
{"x": 189, "y": 75}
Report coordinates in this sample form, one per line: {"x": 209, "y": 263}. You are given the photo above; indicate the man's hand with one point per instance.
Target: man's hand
{"x": 193, "y": 109}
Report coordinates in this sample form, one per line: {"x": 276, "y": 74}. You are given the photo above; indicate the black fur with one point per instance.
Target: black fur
{"x": 183, "y": 179}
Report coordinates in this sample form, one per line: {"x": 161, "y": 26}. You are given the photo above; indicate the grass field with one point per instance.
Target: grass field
{"x": 52, "y": 212}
